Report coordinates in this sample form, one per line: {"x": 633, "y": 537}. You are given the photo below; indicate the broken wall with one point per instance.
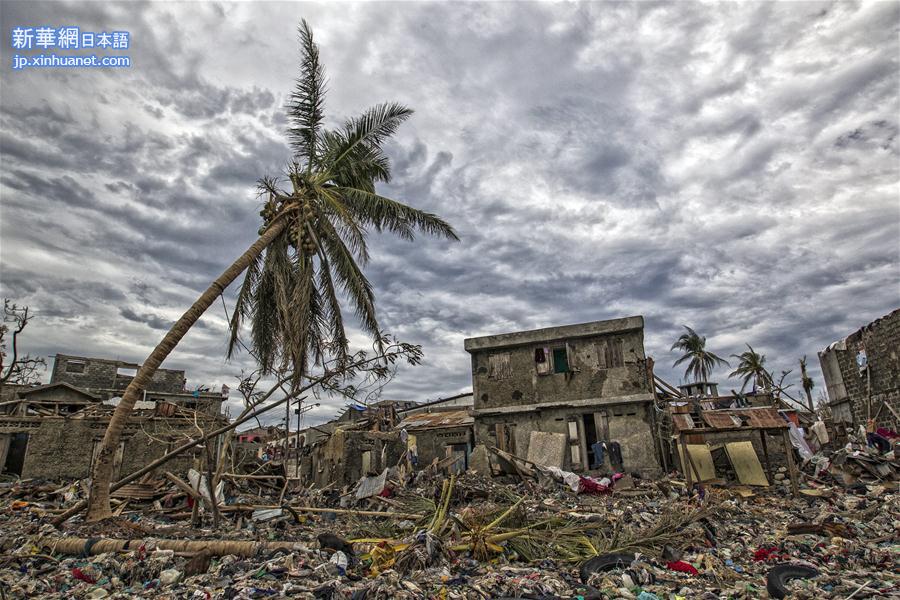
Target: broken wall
{"x": 99, "y": 374}
{"x": 432, "y": 443}
{"x": 604, "y": 366}
{"x": 60, "y": 448}
{"x": 346, "y": 456}
{"x": 866, "y": 389}
{"x": 628, "y": 424}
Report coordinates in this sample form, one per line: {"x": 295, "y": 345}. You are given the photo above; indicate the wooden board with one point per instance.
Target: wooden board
{"x": 746, "y": 463}
{"x": 702, "y": 459}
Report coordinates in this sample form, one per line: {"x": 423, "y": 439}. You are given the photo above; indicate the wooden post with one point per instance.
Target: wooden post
{"x": 765, "y": 449}
{"x": 792, "y": 468}
{"x": 195, "y": 510}
{"x": 686, "y": 465}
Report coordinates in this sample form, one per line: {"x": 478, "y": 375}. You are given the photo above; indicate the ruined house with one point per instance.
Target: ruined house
{"x": 440, "y": 434}
{"x": 348, "y": 454}
{"x": 53, "y": 431}
{"x": 565, "y": 389}
{"x": 260, "y": 435}
{"x": 440, "y": 429}
{"x": 862, "y": 373}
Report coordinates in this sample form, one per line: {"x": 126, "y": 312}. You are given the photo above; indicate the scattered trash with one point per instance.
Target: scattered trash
{"x": 533, "y": 533}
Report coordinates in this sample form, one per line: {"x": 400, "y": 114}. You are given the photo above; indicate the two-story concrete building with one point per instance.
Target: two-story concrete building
{"x": 590, "y": 383}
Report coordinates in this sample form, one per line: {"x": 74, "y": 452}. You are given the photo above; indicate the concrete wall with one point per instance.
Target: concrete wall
{"x": 629, "y": 424}
{"x": 431, "y": 443}
{"x": 101, "y": 375}
{"x": 62, "y": 449}
{"x": 881, "y": 340}
{"x": 341, "y": 459}
{"x": 602, "y": 366}
{"x": 10, "y": 391}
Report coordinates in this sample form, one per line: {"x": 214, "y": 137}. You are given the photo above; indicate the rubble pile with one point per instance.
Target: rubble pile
{"x": 434, "y": 535}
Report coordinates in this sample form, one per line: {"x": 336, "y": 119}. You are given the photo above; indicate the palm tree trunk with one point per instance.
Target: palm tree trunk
{"x": 101, "y": 474}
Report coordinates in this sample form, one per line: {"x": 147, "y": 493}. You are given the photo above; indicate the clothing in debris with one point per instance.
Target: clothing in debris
{"x": 799, "y": 442}
{"x": 615, "y": 455}
{"x": 598, "y": 448}
{"x": 883, "y": 445}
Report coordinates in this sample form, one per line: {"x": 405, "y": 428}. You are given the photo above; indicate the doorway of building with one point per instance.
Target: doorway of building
{"x": 15, "y": 456}
{"x": 590, "y": 438}
{"x": 461, "y": 453}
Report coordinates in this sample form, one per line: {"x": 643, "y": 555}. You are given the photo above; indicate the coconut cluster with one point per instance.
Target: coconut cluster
{"x": 299, "y": 224}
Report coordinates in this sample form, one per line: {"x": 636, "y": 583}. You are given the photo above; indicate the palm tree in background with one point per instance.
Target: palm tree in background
{"x": 702, "y": 361}
{"x": 808, "y": 384}
{"x": 312, "y": 242}
{"x": 751, "y": 367}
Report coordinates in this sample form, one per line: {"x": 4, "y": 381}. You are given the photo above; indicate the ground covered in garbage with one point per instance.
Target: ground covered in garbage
{"x": 474, "y": 537}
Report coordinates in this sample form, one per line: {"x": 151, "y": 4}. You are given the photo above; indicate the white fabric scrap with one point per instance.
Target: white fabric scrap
{"x": 799, "y": 443}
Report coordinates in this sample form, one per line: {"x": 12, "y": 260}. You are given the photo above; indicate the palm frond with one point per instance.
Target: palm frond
{"x": 352, "y": 280}
{"x": 368, "y": 130}
{"x": 306, "y": 103}
{"x": 383, "y": 213}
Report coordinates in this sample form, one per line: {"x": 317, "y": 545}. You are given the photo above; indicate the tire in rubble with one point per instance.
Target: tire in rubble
{"x": 605, "y": 562}
{"x": 780, "y": 575}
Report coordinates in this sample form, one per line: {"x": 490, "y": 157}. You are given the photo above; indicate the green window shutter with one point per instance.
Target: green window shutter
{"x": 560, "y": 360}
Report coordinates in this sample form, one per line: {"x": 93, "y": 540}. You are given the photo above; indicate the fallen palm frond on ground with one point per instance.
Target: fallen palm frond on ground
{"x": 481, "y": 534}
{"x": 675, "y": 528}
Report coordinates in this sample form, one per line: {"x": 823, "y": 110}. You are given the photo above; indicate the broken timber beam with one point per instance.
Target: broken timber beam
{"x": 181, "y": 485}
{"x": 84, "y": 546}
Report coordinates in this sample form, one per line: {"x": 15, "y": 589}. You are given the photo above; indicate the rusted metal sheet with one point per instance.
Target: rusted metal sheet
{"x": 682, "y": 422}
{"x": 729, "y": 418}
{"x": 451, "y": 418}
{"x": 760, "y": 418}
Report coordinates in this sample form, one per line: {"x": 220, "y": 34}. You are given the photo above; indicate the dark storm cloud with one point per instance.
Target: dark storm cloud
{"x": 732, "y": 167}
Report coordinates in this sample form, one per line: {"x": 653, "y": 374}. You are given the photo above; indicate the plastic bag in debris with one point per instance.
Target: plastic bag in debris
{"x": 371, "y": 486}
{"x": 567, "y": 477}
{"x": 340, "y": 560}
{"x": 196, "y": 479}
{"x": 266, "y": 514}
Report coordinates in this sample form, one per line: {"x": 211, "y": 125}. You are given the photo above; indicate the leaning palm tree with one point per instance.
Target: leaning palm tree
{"x": 312, "y": 243}
{"x": 752, "y": 367}
{"x": 702, "y": 361}
{"x": 808, "y": 384}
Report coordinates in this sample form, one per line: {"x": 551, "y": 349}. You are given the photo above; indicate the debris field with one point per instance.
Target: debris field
{"x": 430, "y": 534}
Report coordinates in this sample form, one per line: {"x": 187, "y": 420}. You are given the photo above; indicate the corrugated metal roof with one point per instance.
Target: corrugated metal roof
{"x": 733, "y": 418}
{"x": 448, "y": 418}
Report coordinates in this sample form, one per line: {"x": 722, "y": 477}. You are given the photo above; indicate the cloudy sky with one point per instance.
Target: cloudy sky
{"x": 732, "y": 167}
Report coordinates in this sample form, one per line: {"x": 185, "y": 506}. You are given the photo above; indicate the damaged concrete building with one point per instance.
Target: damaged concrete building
{"x": 53, "y": 431}
{"x": 580, "y": 397}
{"x": 862, "y": 374}
{"x": 441, "y": 429}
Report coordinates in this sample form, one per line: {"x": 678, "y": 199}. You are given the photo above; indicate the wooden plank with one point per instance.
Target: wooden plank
{"x": 686, "y": 469}
{"x": 184, "y": 487}
{"x": 746, "y": 463}
{"x": 700, "y": 458}
{"x": 792, "y": 468}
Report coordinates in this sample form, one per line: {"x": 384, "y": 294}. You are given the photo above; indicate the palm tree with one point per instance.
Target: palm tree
{"x": 808, "y": 384}
{"x": 702, "y": 361}
{"x": 751, "y": 366}
{"x": 312, "y": 242}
